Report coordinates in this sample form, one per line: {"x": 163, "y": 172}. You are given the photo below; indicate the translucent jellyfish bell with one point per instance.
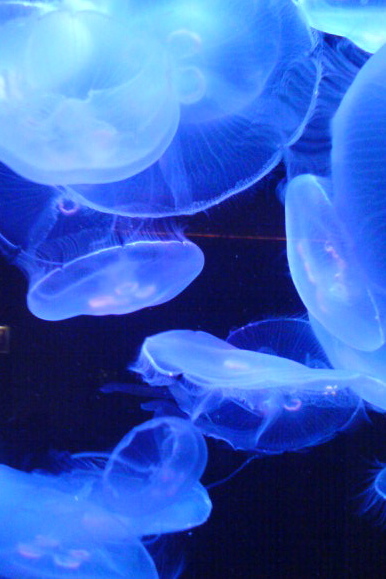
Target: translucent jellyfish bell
{"x": 85, "y": 95}
{"x": 363, "y": 22}
{"x": 52, "y": 533}
{"x": 324, "y": 265}
{"x": 245, "y": 77}
{"x": 81, "y": 262}
{"x": 358, "y": 168}
{"x": 153, "y": 473}
{"x": 251, "y": 399}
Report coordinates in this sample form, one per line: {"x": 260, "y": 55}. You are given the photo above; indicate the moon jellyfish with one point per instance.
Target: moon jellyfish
{"x": 152, "y": 477}
{"x": 51, "y": 533}
{"x": 363, "y": 22}
{"x": 245, "y": 75}
{"x": 325, "y": 268}
{"x": 335, "y": 238}
{"x": 80, "y": 262}
{"x": 251, "y": 399}
{"x": 85, "y": 96}
{"x": 88, "y": 521}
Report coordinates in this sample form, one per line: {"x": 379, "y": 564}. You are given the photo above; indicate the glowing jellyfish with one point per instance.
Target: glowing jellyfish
{"x": 363, "y": 22}
{"x": 81, "y": 262}
{"x": 51, "y": 533}
{"x": 152, "y": 477}
{"x": 245, "y": 76}
{"x": 253, "y": 400}
{"x": 85, "y": 96}
{"x": 88, "y": 521}
{"x": 335, "y": 237}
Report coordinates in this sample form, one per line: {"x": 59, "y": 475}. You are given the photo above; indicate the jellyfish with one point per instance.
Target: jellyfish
{"x": 85, "y": 95}
{"x": 362, "y": 22}
{"x": 89, "y": 520}
{"x": 251, "y": 399}
{"x": 81, "y": 262}
{"x": 193, "y": 101}
{"x": 335, "y": 225}
{"x": 52, "y": 533}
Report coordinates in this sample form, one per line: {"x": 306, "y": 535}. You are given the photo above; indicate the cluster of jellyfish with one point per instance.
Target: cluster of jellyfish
{"x": 119, "y": 119}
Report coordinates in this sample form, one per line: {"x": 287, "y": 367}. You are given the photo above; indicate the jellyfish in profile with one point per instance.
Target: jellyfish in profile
{"x": 251, "y": 399}
{"x": 364, "y": 23}
{"x": 244, "y": 77}
{"x": 81, "y": 262}
{"x": 85, "y": 95}
{"x": 335, "y": 236}
{"x": 89, "y": 520}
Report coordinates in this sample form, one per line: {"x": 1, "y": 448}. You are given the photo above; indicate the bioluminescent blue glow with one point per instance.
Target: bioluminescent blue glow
{"x": 363, "y": 22}
{"x": 88, "y": 521}
{"x": 251, "y": 399}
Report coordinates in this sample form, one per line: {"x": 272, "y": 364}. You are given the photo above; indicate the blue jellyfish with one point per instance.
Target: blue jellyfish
{"x": 335, "y": 226}
{"x": 363, "y": 22}
{"x": 52, "y": 533}
{"x": 79, "y": 261}
{"x": 85, "y": 95}
{"x": 251, "y": 399}
{"x": 88, "y": 521}
{"x": 153, "y": 109}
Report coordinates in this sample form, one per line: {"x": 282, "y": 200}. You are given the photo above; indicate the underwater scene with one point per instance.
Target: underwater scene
{"x": 192, "y": 298}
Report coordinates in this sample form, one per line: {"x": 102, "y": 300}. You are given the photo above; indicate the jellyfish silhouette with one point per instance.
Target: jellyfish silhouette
{"x": 335, "y": 239}
{"x": 153, "y": 109}
{"x": 251, "y": 399}
{"x": 79, "y": 261}
{"x": 362, "y": 22}
{"x": 66, "y": 526}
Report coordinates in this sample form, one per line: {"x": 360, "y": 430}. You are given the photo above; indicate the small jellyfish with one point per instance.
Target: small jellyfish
{"x": 85, "y": 95}
{"x": 245, "y": 75}
{"x": 251, "y": 399}
{"x": 80, "y": 262}
{"x": 362, "y": 21}
{"x": 152, "y": 477}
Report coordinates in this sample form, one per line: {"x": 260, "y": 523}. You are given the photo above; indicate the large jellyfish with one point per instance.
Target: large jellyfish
{"x": 85, "y": 96}
{"x": 335, "y": 233}
{"x": 171, "y": 106}
{"x": 362, "y": 21}
{"x": 79, "y": 261}
{"x": 88, "y": 521}
{"x": 251, "y": 399}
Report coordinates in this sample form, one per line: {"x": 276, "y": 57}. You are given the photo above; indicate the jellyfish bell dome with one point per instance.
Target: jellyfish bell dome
{"x": 324, "y": 265}
{"x": 245, "y": 76}
{"x": 79, "y": 261}
{"x": 85, "y": 97}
